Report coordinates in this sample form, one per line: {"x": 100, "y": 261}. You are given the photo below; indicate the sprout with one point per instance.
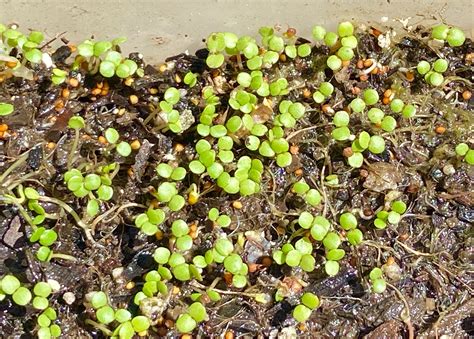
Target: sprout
{"x": 319, "y": 33}
{"x": 301, "y": 313}
{"x": 334, "y": 63}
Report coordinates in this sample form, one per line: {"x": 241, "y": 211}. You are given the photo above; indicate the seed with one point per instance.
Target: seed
{"x": 65, "y": 93}
{"x": 130, "y": 285}
{"x": 128, "y": 82}
{"x": 364, "y": 77}
{"x": 410, "y": 76}
{"x": 267, "y": 261}
{"x": 355, "y": 90}
{"x": 176, "y": 290}
{"x": 177, "y": 78}
{"x": 11, "y": 64}
{"x": 73, "y": 82}
{"x": 162, "y": 68}
{"x": 50, "y": 145}
{"x": 387, "y": 93}
{"x": 135, "y": 144}
{"x": 360, "y": 64}
{"x": 386, "y": 100}
{"x": 215, "y": 73}
{"x": 58, "y": 105}
{"x": 104, "y": 92}
{"x": 228, "y": 278}
{"x": 299, "y": 172}
{"x": 375, "y": 32}
{"x": 186, "y": 336}
{"x": 178, "y": 148}
{"x": 133, "y": 99}
{"x": 229, "y": 335}
{"x": 102, "y": 140}
{"x": 237, "y": 204}
{"x": 466, "y": 95}
{"x": 130, "y": 171}
{"x": 159, "y": 235}
{"x": 347, "y": 152}
{"x": 282, "y": 57}
{"x": 153, "y": 90}
{"x": 306, "y": 93}
{"x": 346, "y": 63}
{"x": 96, "y": 91}
{"x": 368, "y": 63}
{"x": 253, "y": 267}
{"x": 375, "y": 70}
{"x": 294, "y": 149}
{"x": 3, "y": 127}
{"x": 72, "y": 47}
{"x": 440, "y": 129}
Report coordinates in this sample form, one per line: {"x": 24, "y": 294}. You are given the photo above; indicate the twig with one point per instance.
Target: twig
{"x": 406, "y": 319}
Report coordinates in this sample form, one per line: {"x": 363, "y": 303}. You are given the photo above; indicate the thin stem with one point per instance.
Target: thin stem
{"x": 14, "y": 166}
{"x": 112, "y": 210}
{"x": 63, "y": 256}
{"x": 98, "y": 326}
{"x": 73, "y": 213}
{"x": 406, "y": 319}
{"x": 70, "y": 158}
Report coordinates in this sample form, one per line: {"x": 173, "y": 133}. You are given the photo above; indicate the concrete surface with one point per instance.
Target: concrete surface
{"x": 163, "y": 28}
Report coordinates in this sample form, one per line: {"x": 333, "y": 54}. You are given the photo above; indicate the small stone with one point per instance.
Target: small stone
{"x": 69, "y": 298}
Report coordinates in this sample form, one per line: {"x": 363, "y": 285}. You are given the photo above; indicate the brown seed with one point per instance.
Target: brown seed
{"x": 299, "y": 172}
{"x": 387, "y": 93}
{"x": 390, "y": 261}
{"x": 102, "y": 140}
{"x": 133, "y": 99}
{"x": 368, "y": 63}
{"x": 159, "y": 235}
{"x": 364, "y": 77}
{"x": 11, "y": 64}
{"x": 375, "y": 32}
{"x": 96, "y": 91}
{"x": 386, "y": 100}
{"x": 294, "y": 149}
{"x": 228, "y": 278}
{"x": 73, "y": 82}
{"x": 410, "y": 76}
{"x": 106, "y": 85}
{"x": 3, "y": 127}
{"x": 130, "y": 285}
{"x": 347, "y": 152}
{"x": 162, "y": 68}
{"x": 153, "y": 90}
{"x": 253, "y": 267}
{"x": 375, "y": 70}
{"x": 237, "y": 204}
{"x": 65, "y": 93}
{"x": 130, "y": 171}
{"x": 135, "y": 144}
{"x": 229, "y": 334}
{"x": 72, "y": 47}
{"x": 169, "y": 323}
{"x": 326, "y": 108}
{"x": 178, "y": 148}
{"x": 128, "y": 82}
{"x": 99, "y": 85}
{"x": 186, "y": 336}
{"x": 440, "y": 129}
{"x": 355, "y": 90}
{"x": 346, "y": 63}
{"x": 50, "y": 145}
{"x": 86, "y": 137}
{"x": 360, "y": 64}
{"x": 282, "y": 57}
{"x": 267, "y": 261}
{"x": 466, "y": 95}
{"x": 306, "y": 93}
{"x": 59, "y": 104}
{"x": 104, "y": 92}
{"x": 177, "y": 78}
{"x": 176, "y": 290}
